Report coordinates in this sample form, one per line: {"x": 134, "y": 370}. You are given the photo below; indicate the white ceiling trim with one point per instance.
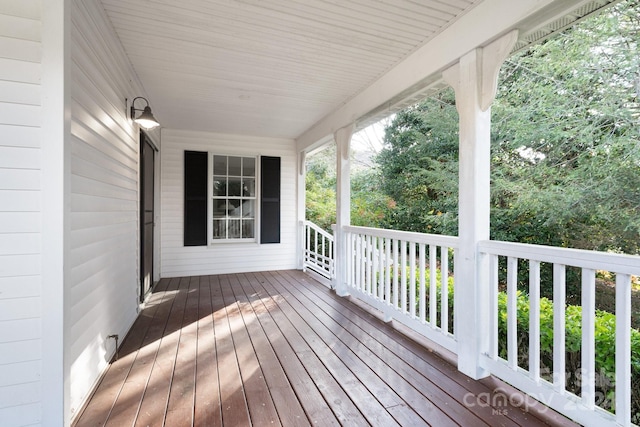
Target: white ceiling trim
{"x": 301, "y": 69}
{"x": 404, "y": 86}
{"x": 268, "y": 67}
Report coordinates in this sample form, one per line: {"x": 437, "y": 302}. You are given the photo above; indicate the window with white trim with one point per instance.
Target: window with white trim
{"x": 233, "y": 200}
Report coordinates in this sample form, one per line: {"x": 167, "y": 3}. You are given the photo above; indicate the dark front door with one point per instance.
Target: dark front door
{"x": 147, "y": 215}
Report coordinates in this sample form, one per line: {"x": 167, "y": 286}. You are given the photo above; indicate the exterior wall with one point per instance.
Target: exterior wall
{"x": 20, "y": 213}
{"x": 178, "y": 260}
{"x": 101, "y": 283}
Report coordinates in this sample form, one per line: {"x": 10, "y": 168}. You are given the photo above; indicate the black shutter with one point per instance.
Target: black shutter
{"x": 195, "y": 198}
{"x": 270, "y": 203}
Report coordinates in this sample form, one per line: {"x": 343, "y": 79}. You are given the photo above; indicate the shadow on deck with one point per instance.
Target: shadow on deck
{"x": 278, "y": 348}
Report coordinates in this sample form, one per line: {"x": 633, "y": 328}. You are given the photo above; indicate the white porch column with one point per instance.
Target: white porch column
{"x": 302, "y": 206}
{"x": 343, "y": 203}
{"x": 474, "y": 79}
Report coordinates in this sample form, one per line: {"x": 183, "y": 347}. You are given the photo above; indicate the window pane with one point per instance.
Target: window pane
{"x": 219, "y": 208}
{"x": 249, "y": 187}
{"x": 247, "y": 228}
{"x": 234, "y": 192}
{"x": 219, "y": 186}
{"x": 235, "y": 188}
{"x": 219, "y": 165}
{"x": 219, "y": 226}
{"x": 234, "y": 229}
{"x": 235, "y": 166}
{"x": 248, "y": 166}
{"x": 247, "y": 209}
{"x": 234, "y": 208}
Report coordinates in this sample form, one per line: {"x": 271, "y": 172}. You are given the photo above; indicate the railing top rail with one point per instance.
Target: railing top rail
{"x": 429, "y": 239}
{"x": 317, "y": 228}
{"x": 619, "y": 263}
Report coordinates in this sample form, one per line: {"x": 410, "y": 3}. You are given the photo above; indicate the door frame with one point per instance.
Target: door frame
{"x": 147, "y": 143}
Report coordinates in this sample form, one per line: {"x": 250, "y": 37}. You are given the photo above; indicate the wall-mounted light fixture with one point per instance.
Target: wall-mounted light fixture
{"x": 146, "y": 119}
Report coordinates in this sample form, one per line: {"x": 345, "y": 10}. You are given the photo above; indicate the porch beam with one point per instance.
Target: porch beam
{"x": 474, "y": 79}
{"x": 478, "y": 27}
{"x": 342, "y": 138}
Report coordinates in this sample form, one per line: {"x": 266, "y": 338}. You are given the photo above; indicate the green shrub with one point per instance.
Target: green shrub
{"x": 427, "y": 281}
{"x": 427, "y": 275}
{"x": 605, "y": 339}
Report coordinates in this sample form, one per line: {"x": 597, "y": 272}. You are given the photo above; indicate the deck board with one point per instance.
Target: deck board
{"x": 153, "y": 404}
{"x": 290, "y": 411}
{"x": 234, "y": 403}
{"x": 353, "y": 339}
{"x": 261, "y": 406}
{"x": 406, "y": 363}
{"x": 207, "y": 408}
{"x": 278, "y": 348}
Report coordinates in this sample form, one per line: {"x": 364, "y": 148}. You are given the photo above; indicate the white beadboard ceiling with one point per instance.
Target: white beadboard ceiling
{"x": 275, "y": 68}
{"x": 267, "y": 67}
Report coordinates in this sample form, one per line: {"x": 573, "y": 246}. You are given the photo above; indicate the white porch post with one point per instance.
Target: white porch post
{"x": 474, "y": 80}
{"x": 302, "y": 206}
{"x": 343, "y": 204}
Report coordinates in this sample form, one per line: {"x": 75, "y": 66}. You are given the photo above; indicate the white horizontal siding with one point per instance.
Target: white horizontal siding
{"x": 24, "y": 9}
{"x": 16, "y": 265}
{"x": 12, "y": 200}
{"x": 23, "y": 415}
{"x": 102, "y": 278}
{"x": 17, "y": 373}
{"x": 23, "y": 329}
{"x": 19, "y": 287}
{"x": 19, "y": 136}
{"x": 15, "y": 70}
{"x": 20, "y": 93}
{"x": 21, "y": 179}
{"x": 25, "y": 50}
{"x": 20, "y": 394}
{"x": 178, "y": 260}
{"x": 20, "y": 243}
{"x": 20, "y": 222}
{"x": 20, "y": 214}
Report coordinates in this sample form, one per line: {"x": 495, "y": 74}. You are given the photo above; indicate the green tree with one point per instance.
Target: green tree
{"x": 369, "y": 205}
{"x": 321, "y": 189}
{"x": 566, "y": 157}
{"x": 419, "y": 167}
{"x": 565, "y": 144}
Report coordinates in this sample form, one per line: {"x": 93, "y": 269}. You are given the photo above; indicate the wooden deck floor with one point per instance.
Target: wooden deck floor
{"x": 278, "y": 348}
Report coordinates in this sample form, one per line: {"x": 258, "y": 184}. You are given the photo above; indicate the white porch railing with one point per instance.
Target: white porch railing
{"x": 318, "y": 250}
{"x": 550, "y": 387}
{"x": 408, "y": 276}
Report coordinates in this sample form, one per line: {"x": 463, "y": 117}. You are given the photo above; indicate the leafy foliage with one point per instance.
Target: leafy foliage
{"x": 415, "y": 287}
{"x": 419, "y": 167}
{"x": 321, "y": 190}
{"x": 605, "y": 339}
{"x": 565, "y": 139}
{"x": 565, "y": 145}
{"x": 369, "y": 205}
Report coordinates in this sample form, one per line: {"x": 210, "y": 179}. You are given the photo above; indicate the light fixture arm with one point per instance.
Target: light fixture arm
{"x": 145, "y": 119}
